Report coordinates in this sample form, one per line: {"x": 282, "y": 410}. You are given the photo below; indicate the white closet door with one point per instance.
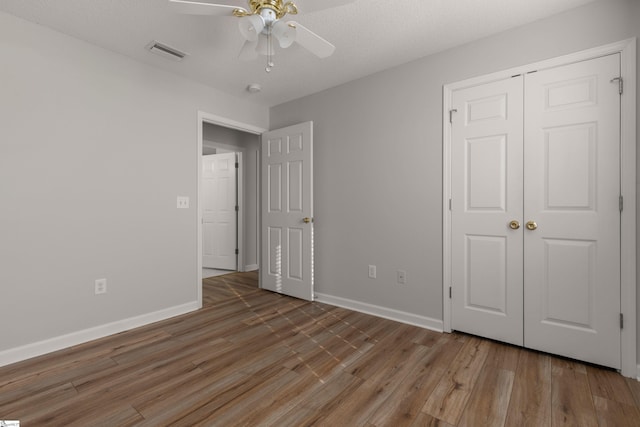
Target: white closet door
{"x": 572, "y": 188}
{"x": 486, "y": 171}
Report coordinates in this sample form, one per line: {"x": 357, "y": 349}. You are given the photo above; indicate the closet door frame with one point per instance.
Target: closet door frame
{"x": 627, "y": 50}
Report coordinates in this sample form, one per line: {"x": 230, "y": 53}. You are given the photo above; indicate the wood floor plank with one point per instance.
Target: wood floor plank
{"x": 378, "y": 388}
{"x": 229, "y": 407}
{"x": 615, "y": 414}
{"x": 409, "y": 397}
{"x": 425, "y": 420}
{"x": 634, "y": 386}
{"x": 503, "y": 356}
{"x": 571, "y": 400}
{"x": 31, "y": 404}
{"x": 609, "y": 385}
{"x": 324, "y": 400}
{"x": 42, "y": 381}
{"x": 530, "y": 404}
{"x": 451, "y": 394}
{"x": 489, "y": 400}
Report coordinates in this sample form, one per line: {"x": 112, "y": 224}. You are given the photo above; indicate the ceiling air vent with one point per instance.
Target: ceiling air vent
{"x": 166, "y": 51}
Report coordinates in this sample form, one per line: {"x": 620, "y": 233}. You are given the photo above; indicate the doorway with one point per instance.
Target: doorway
{"x": 217, "y": 135}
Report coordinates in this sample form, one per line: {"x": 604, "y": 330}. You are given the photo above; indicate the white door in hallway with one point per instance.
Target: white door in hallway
{"x": 572, "y": 189}
{"x": 486, "y": 196}
{"x": 219, "y": 215}
{"x": 287, "y": 211}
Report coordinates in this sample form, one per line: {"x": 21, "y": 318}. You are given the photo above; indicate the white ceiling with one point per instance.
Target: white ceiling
{"x": 370, "y": 36}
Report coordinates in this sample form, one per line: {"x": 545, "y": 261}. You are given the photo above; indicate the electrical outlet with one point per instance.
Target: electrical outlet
{"x": 101, "y": 286}
{"x": 372, "y": 272}
{"x": 183, "y": 202}
{"x": 402, "y": 277}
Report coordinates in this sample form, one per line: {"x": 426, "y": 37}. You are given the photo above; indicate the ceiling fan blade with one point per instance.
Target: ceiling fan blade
{"x": 248, "y": 51}
{"x": 200, "y": 8}
{"x": 312, "y": 42}
{"x": 306, "y": 6}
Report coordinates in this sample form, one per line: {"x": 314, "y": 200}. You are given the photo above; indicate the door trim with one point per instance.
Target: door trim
{"x": 627, "y": 50}
{"x": 204, "y": 117}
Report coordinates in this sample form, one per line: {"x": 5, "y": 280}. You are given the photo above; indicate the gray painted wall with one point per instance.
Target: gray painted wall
{"x": 249, "y": 144}
{"x": 378, "y": 156}
{"x": 94, "y": 150}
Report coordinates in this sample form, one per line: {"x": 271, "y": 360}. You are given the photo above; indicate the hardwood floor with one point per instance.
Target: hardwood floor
{"x": 251, "y": 357}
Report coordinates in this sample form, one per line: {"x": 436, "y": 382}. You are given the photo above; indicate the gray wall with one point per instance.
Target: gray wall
{"x": 249, "y": 144}
{"x": 378, "y": 156}
{"x": 94, "y": 150}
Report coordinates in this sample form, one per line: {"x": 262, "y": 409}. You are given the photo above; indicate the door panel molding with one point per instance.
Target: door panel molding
{"x": 627, "y": 50}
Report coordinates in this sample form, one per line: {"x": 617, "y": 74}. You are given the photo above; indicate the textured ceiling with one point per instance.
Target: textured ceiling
{"x": 370, "y": 36}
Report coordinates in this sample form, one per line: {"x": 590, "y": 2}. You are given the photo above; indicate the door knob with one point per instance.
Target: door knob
{"x": 307, "y": 220}
{"x": 514, "y": 225}
{"x": 531, "y": 225}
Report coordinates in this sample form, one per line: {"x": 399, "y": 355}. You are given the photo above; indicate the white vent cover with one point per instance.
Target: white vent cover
{"x": 166, "y": 51}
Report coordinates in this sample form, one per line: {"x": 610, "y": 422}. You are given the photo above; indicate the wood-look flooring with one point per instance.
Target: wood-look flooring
{"x": 253, "y": 358}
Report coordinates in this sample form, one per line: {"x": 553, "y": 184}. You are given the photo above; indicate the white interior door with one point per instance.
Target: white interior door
{"x": 287, "y": 211}
{"x": 552, "y": 282}
{"x": 572, "y": 189}
{"x": 486, "y": 190}
{"x": 219, "y": 215}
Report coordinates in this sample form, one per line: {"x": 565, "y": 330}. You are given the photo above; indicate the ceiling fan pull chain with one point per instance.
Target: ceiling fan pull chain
{"x": 269, "y": 53}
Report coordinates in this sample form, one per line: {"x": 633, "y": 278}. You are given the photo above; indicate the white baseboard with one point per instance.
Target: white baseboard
{"x": 386, "y": 313}
{"x": 28, "y": 351}
{"x": 251, "y": 267}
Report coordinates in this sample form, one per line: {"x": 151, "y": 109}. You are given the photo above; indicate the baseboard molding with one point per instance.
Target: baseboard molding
{"x": 384, "y": 312}
{"x": 638, "y": 374}
{"x": 28, "y": 351}
{"x": 251, "y": 267}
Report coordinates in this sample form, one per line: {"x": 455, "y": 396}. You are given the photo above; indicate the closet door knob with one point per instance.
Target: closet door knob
{"x": 514, "y": 225}
{"x": 531, "y": 225}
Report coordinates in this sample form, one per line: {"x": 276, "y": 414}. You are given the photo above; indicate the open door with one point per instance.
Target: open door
{"x": 287, "y": 211}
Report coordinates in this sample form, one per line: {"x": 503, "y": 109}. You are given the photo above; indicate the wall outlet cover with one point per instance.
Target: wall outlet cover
{"x": 183, "y": 202}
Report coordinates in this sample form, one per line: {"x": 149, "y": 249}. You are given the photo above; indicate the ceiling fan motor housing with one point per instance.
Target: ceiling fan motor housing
{"x": 278, "y": 7}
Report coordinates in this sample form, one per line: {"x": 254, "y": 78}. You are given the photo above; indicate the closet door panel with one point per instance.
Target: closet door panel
{"x": 571, "y": 188}
{"x": 486, "y": 196}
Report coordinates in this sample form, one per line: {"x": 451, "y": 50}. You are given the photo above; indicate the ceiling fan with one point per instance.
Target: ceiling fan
{"x": 263, "y": 21}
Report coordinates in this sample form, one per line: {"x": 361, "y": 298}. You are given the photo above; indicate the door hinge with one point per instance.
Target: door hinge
{"x": 621, "y": 321}
{"x": 237, "y": 251}
{"x": 620, "y": 84}
{"x": 237, "y": 165}
{"x": 621, "y": 203}
{"x": 451, "y": 114}
{"x": 237, "y": 208}
{"x": 450, "y": 292}
{"x": 449, "y": 204}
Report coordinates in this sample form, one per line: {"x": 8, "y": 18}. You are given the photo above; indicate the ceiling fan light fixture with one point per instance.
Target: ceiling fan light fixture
{"x": 248, "y": 51}
{"x": 251, "y": 27}
{"x": 285, "y": 33}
